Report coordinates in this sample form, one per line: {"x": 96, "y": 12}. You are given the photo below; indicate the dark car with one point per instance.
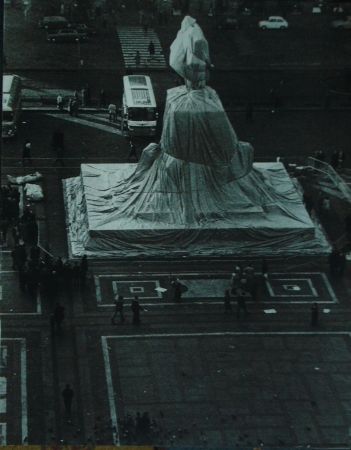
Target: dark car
{"x": 66, "y": 35}
{"x": 85, "y": 29}
{"x": 52, "y": 23}
{"x": 227, "y": 22}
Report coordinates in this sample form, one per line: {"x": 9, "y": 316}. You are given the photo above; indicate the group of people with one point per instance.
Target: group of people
{"x": 337, "y": 158}
{"x": 137, "y": 429}
{"x": 119, "y": 310}
{"x": 16, "y": 228}
{"x": 79, "y": 98}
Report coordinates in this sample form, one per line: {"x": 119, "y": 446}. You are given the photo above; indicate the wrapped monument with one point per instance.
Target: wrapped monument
{"x": 197, "y": 190}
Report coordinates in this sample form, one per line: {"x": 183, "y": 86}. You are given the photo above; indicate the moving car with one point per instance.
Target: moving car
{"x": 51, "y": 23}
{"x": 273, "y": 23}
{"x": 66, "y": 35}
{"x": 227, "y": 22}
{"x": 342, "y": 24}
{"x": 84, "y": 29}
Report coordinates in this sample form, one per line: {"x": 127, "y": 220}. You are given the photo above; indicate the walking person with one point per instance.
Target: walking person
{"x": 119, "y": 306}
{"x": 102, "y": 98}
{"x": 137, "y": 58}
{"x": 249, "y": 112}
{"x": 314, "y": 315}
{"x": 136, "y": 308}
{"x": 241, "y": 303}
{"x": 151, "y": 49}
{"x": 177, "y": 290}
{"x": 132, "y": 151}
{"x": 59, "y": 315}
{"x": 67, "y": 395}
{"x": 227, "y": 303}
{"x": 83, "y": 270}
{"x": 27, "y": 153}
{"x": 112, "y": 112}
{"x": 59, "y": 102}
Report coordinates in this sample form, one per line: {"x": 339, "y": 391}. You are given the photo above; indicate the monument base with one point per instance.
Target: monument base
{"x": 249, "y": 232}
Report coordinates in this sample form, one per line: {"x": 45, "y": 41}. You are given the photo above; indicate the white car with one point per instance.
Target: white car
{"x": 273, "y": 23}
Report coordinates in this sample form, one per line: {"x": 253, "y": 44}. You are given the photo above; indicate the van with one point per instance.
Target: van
{"x": 51, "y": 23}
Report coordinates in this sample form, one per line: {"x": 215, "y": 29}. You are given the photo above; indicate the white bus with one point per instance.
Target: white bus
{"x": 11, "y": 104}
{"x": 139, "y": 113}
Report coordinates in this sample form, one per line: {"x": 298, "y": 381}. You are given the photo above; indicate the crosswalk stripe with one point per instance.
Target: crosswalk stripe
{"x": 133, "y": 39}
{"x": 88, "y": 123}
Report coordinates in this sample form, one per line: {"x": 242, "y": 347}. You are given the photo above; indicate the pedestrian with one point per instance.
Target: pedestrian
{"x": 102, "y": 98}
{"x": 88, "y": 95}
{"x": 249, "y": 112}
{"x": 70, "y": 108}
{"x": 83, "y": 270}
{"x": 137, "y": 58}
{"x": 341, "y": 159}
{"x": 59, "y": 315}
{"x": 177, "y": 290}
{"x": 132, "y": 151}
{"x": 314, "y": 315}
{"x": 59, "y": 102}
{"x": 26, "y": 154}
{"x": 136, "y": 308}
{"x": 241, "y": 303}
{"x": 341, "y": 263}
{"x": 227, "y": 304}
{"x": 334, "y": 160}
{"x": 333, "y": 260}
{"x": 320, "y": 155}
{"x": 264, "y": 268}
{"x": 76, "y": 275}
{"x": 145, "y": 25}
{"x": 119, "y": 306}
{"x": 67, "y": 395}
{"x": 76, "y": 95}
{"x": 151, "y": 49}
{"x": 112, "y": 112}
{"x": 74, "y": 107}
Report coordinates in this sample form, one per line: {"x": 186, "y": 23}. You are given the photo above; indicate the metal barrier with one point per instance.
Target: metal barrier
{"x": 327, "y": 170}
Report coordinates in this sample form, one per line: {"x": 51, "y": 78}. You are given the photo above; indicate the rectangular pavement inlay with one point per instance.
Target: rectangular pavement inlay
{"x": 235, "y": 388}
{"x": 13, "y": 300}
{"x": 13, "y": 391}
{"x": 156, "y": 288}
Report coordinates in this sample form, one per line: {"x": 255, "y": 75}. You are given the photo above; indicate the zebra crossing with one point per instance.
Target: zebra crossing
{"x": 97, "y": 121}
{"x": 133, "y": 39}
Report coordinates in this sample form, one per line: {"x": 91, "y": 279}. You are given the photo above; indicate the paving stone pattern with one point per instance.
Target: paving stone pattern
{"x": 235, "y": 390}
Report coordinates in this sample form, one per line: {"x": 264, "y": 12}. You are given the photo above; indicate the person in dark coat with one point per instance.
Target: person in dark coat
{"x": 136, "y": 308}
{"x": 67, "y": 395}
{"x": 119, "y": 307}
{"x": 83, "y": 269}
{"x": 177, "y": 290}
{"x": 314, "y": 315}
{"x": 59, "y": 315}
{"x": 151, "y": 49}
{"x": 132, "y": 151}
{"x": 27, "y": 153}
{"x": 227, "y": 304}
{"x": 241, "y": 303}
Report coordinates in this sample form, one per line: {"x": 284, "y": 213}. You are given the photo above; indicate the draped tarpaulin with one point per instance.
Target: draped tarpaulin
{"x": 197, "y": 190}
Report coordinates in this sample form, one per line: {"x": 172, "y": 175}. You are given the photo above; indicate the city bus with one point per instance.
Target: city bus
{"x": 139, "y": 113}
{"x": 11, "y": 104}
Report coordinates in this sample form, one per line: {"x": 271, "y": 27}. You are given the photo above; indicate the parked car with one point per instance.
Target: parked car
{"x": 51, "y": 23}
{"x": 83, "y": 28}
{"x": 342, "y": 24}
{"x": 66, "y": 35}
{"x": 227, "y": 22}
{"x": 273, "y": 23}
